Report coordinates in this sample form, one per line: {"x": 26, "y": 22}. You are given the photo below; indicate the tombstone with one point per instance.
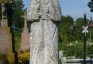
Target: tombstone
{"x": 61, "y": 57}
{"x": 6, "y": 45}
{"x": 44, "y": 16}
{"x": 25, "y": 37}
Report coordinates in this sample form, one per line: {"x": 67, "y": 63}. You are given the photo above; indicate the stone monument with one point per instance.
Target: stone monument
{"x": 44, "y": 16}
{"x": 25, "y": 42}
{"x": 6, "y": 45}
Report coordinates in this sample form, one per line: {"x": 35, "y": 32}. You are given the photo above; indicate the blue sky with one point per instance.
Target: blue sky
{"x": 74, "y": 8}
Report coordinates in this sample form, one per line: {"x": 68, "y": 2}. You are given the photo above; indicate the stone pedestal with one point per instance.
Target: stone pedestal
{"x": 25, "y": 45}
{"x": 7, "y": 55}
{"x": 5, "y": 40}
{"x": 6, "y": 46}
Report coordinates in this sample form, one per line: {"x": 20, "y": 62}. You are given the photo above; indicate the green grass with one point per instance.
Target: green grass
{"x": 17, "y": 40}
{"x": 17, "y": 43}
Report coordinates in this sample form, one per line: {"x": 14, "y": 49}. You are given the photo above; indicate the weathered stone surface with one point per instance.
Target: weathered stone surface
{"x": 4, "y": 23}
{"x": 25, "y": 36}
{"x": 5, "y": 40}
{"x": 62, "y": 58}
{"x": 43, "y": 8}
{"x": 44, "y": 32}
{"x": 25, "y": 40}
{"x": 43, "y": 43}
{"x": 6, "y": 45}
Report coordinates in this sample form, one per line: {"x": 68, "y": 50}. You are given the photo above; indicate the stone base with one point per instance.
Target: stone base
{"x": 7, "y": 58}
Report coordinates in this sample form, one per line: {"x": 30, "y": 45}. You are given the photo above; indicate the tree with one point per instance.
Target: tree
{"x": 90, "y": 5}
{"x": 14, "y": 12}
{"x": 71, "y": 37}
{"x": 65, "y": 32}
{"x": 65, "y": 27}
{"x": 78, "y": 32}
{"x": 78, "y": 29}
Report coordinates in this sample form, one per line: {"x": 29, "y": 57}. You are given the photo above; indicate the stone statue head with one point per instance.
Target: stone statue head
{"x": 44, "y": 9}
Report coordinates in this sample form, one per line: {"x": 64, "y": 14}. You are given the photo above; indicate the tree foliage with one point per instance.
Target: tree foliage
{"x": 65, "y": 28}
{"x": 70, "y": 32}
{"x": 14, "y": 12}
{"x": 65, "y": 32}
{"x": 90, "y": 5}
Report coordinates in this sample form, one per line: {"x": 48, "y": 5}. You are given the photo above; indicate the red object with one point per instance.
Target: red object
{"x": 91, "y": 25}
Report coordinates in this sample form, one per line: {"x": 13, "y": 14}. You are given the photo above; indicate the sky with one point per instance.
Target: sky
{"x": 74, "y": 8}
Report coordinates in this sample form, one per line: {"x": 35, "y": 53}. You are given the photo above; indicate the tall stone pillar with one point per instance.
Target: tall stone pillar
{"x": 6, "y": 44}
{"x": 44, "y": 15}
{"x": 25, "y": 36}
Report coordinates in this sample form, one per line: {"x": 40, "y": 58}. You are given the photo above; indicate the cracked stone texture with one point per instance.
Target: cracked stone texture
{"x": 44, "y": 32}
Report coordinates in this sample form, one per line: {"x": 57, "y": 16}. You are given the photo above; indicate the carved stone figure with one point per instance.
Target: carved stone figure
{"x": 44, "y": 15}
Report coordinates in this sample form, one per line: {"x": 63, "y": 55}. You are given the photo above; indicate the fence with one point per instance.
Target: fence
{"x": 64, "y": 60}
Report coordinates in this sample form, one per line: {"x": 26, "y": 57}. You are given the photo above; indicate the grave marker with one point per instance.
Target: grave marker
{"x": 25, "y": 36}
{"x": 6, "y": 45}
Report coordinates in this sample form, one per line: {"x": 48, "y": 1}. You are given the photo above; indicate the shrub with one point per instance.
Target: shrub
{"x": 23, "y": 56}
